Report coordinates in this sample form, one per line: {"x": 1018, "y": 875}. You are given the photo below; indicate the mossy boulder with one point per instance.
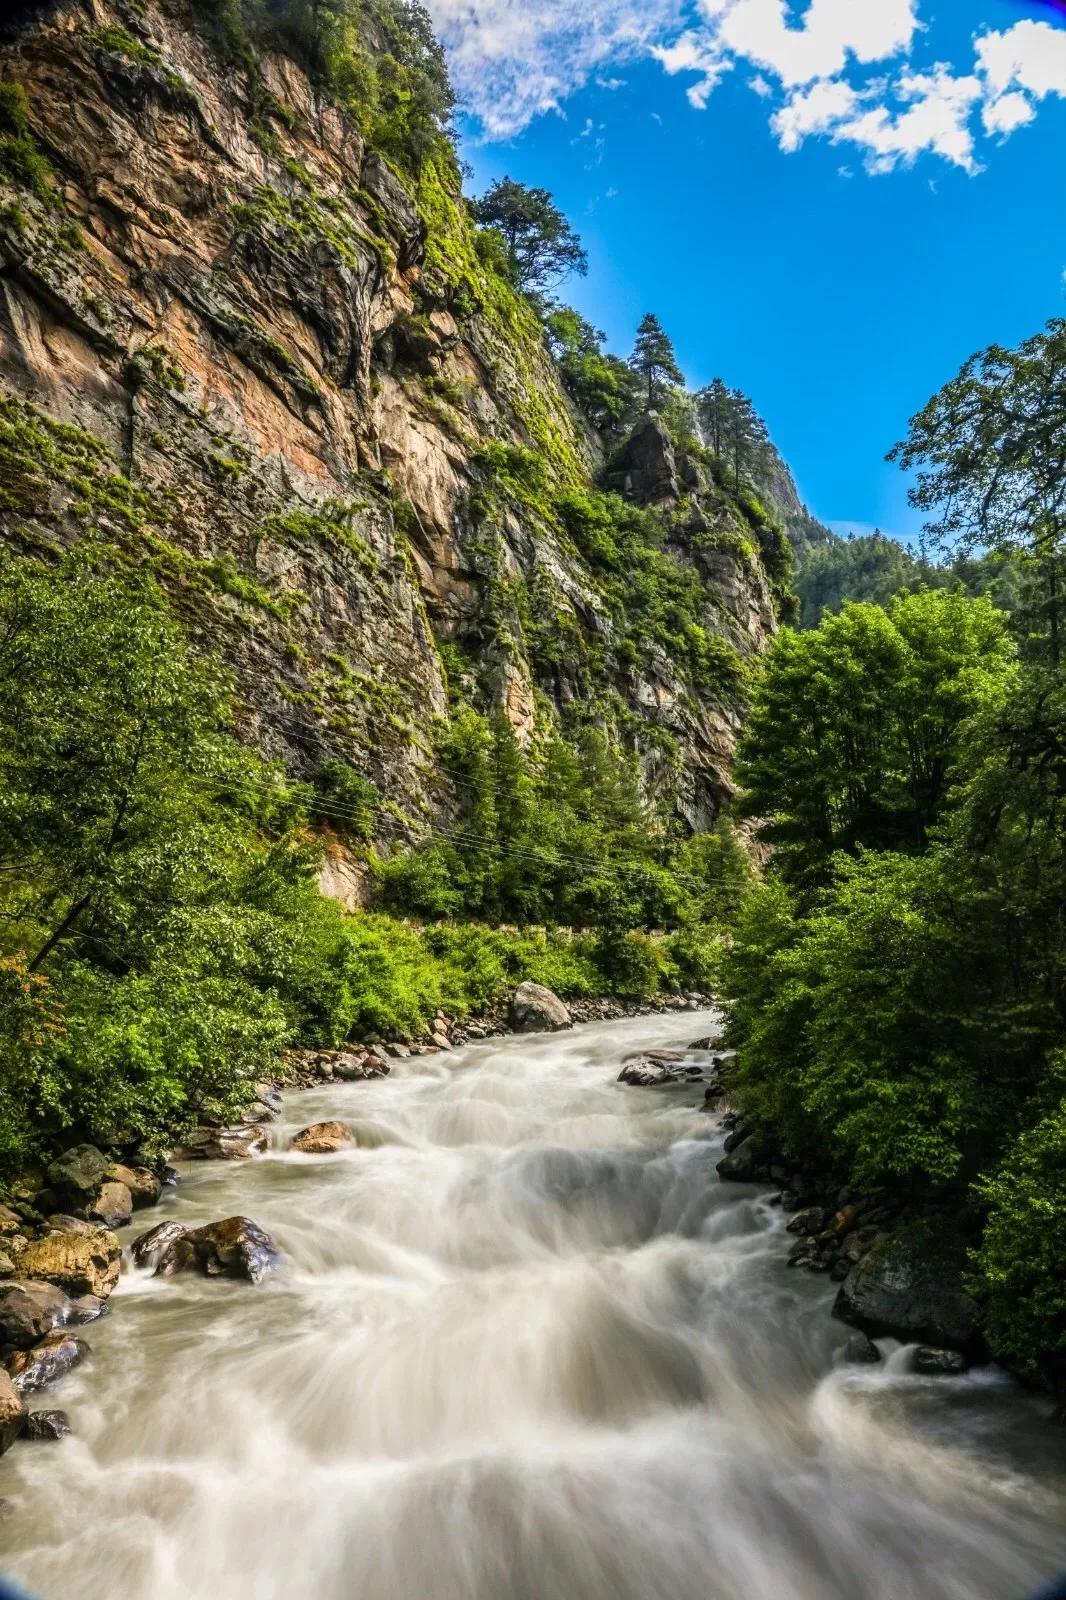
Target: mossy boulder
{"x": 82, "y": 1262}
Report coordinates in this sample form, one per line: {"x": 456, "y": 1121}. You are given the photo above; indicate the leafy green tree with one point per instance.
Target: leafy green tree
{"x": 990, "y": 450}
{"x": 542, "y": 247}
{"x": 654, "y": 361}
{"x": 714, "y": 408}
{"x": 601, "y": 385}
{"x": 854, "y": 727}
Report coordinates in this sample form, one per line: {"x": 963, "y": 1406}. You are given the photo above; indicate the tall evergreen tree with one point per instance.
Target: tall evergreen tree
{"x": 654, "y": 360}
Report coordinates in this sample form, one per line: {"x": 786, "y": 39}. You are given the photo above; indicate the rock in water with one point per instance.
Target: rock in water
{"x": 12, "y": 1413}
{"x": 113, "y": 1205}
{"x": 76, "y": 1176}
{"x": 910, "y": 1287}
{"x": 225, "y": 1144}
{"x": 859, "y": 1351}
{"x": 535, "y": 1009}
{"x": 933, "y": 1363}
{"x": 236, "y": 1248}
{"x": 741, "y": 1165}
{"x": 81, "y": 1263}
{"x": 47, "y": 1362}
{"x": 47, "y": 1425}
{"x": 28, "y": 1311}
{"x": 323, "y": 1139}
{"x": 148, "y": 1249}
{"x": 143, "y": 1185}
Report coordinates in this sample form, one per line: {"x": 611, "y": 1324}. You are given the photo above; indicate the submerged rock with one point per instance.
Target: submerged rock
{"x": 148, "y": 1249}
{"x": 235, "y": 1248}
{"x": 81, "y": 1261}
{"x": 28, "y": 1311}
{"x": 47, "y": 1362}
{"x": 12, "y": 1412}
{"x": 910, "y": 1287}
{"x": 42, "y": 1425}
{"x": 323, "y": 1139}
{"x": 225, "y": 1144}
{"x": 535, "y": 1009}
{"x": 934, "y": 1363}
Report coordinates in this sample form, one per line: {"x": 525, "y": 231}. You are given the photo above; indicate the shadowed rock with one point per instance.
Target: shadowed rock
{"x": 47, "y": 1362}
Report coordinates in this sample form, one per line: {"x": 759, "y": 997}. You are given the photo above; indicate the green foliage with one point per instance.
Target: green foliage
{"x": 21, "y": 161}
{"x": 344, "y": 800}
{"x": 854, "y": 728}
{"x": 989, "y": 454}
{"x": 540, "y": 247}
{"x": 602, "y": 386}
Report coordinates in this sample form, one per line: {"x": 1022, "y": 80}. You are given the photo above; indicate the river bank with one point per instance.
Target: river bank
{"x": 526, "y": 1344}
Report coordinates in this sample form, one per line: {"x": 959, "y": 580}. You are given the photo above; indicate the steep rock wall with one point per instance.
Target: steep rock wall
{"x": 236, "y": 344}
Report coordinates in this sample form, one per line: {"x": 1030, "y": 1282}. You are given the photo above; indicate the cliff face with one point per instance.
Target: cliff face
{"x": 237, "y": 345}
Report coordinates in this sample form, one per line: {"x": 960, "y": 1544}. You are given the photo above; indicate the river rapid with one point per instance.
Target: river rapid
{"x": 525, "y": 1346}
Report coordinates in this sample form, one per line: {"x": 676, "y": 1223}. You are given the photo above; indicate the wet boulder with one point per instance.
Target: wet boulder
{"x": 29, "y": 1311}
{"x": 235, "y": 1248}
{"x": 535, "y": 1009}
{"x": 12, "y": 1412}
{"x": 323, "y": 1139}
{"x": 86, "y": 1308}
{"x": 85, "y": 1261}
{"x": 74, "y": 1178}
{"x": 934, "y": 1363}
{"x": 909, "y": 1286}
{"x": 742, "y": 1164}
{"x": 47, "y": 1425}
{"x": 148, "y": 1249}
{"x": 143, "y": 1185}
{"x": 859, "y": 1351}
{"x": 225, "y": 1144}
{"x": 113, "y": 1205}
{"x": 46, "y": 1362}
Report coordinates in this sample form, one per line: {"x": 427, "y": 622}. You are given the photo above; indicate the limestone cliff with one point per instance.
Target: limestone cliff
{"x": 236, "y": 343}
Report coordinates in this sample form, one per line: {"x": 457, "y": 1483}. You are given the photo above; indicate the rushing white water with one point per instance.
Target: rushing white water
{"x": 525, "y": 1347}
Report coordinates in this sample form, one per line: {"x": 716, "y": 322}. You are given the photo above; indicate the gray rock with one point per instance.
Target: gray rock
{"x": 28, "y": 1311}
{"x": 811, "y": 1220}
{"x": 535, "y": 1009}
{"x": 76, "y": 1176}
{"x": 113, "y": 1205}
{"x": 934, "y": 1363}
{"x": 910, "y": 1287}
{"x": 859, "y": 1351}
{"x": 46, "y": 1362}
{"x": 86, "y": 1308}
{"x": 225, "y": 1144}
{"x": 148, "y": 1249}
{"x": 741, "y": 1164}
{"x": 46, "y": 1425}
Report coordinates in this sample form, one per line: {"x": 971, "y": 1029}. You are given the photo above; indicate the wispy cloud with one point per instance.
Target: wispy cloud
{"x": 864, "y": 74}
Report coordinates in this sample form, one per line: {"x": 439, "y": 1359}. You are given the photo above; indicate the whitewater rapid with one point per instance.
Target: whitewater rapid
{"x": 525, "y": 1346}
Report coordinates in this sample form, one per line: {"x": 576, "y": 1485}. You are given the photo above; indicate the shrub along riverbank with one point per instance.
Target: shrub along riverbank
{"x": 162, "y": 936}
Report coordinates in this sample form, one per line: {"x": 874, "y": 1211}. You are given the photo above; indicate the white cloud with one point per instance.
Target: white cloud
{"x": 858, "y": 73}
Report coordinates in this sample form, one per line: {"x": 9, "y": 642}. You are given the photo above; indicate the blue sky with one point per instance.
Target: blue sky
{"x": 831, "y": 204}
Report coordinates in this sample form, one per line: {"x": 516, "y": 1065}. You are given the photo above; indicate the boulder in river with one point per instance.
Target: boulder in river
{"x": 148, "y": 1249}
{"x": 535, "y": 1009}
{"x": 28, "y": 1311}
{"x": 46, "y": 1362}
{"x": 12, "y": 1412}
{"x": 143, "y": 1185}
{"x": 47, "y": 1425}
{"x": 235, "y": 1248}
{"x": 75, "y": 1177}
{"x": 81, "y": 1262}
{"x": 113, "y": 1204}
{"x": 859, "y": 1351}
{"x": 909, "y": 1286}
{"x": 934, "y": 1363}
{"x": 742, "y": 1163}
{"x": 225, "y": 1144}
{"x": 323, "y": 1139}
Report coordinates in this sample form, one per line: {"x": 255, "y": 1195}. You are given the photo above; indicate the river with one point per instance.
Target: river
{"x": 525, "y": 1347}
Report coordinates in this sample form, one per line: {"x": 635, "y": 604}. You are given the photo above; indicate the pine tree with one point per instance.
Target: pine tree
{"x": 542, "y": 247}
{"x": 654, "y": 359}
